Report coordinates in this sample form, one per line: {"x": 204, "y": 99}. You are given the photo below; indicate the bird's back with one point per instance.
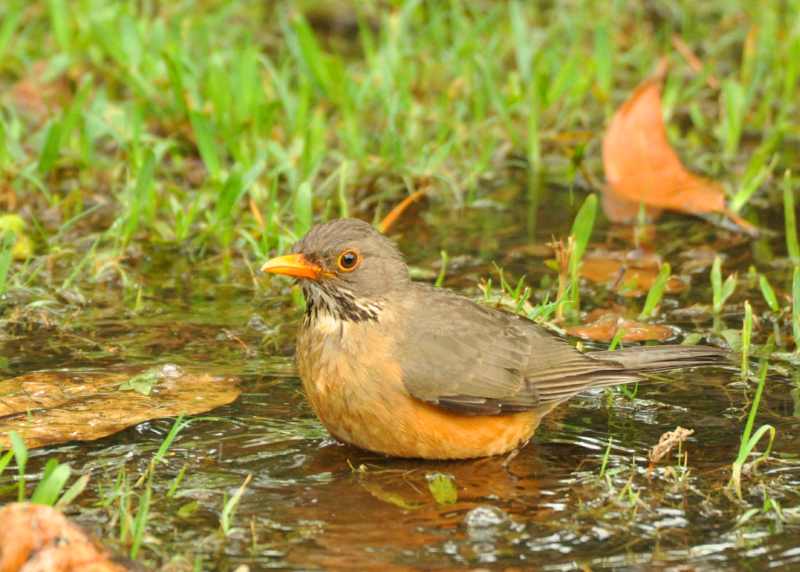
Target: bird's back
{"x": 459, "y": 354}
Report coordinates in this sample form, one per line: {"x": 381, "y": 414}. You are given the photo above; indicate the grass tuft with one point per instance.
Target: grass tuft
{"x": 751, "y": 439}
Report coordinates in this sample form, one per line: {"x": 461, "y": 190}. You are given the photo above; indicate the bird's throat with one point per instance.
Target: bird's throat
{"x": 336, "y": 304}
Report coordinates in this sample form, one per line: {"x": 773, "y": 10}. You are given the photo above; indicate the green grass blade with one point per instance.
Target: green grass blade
{"x": 796, "y": 307}
{"x": 302, "y": 209}
{"x": 656, "y": 292}
{"x": 319, "y": 65}
{"x": 9, "y": 25}
{"x": 344, "y": 209}
{"x": 5, "y": 460}
{"x": 716, "y": 284}
{"x": 179, "y": 425}
{"x": 604, "y": 59}
{"x": 51, "y": 148}
{"x": 21, "y": 454}
{"x": 5, "y": 157}
{"x": 582, "y": 228}
{"x": 792, "y": 244}
{"x": 73, "y": 492}
{"x": 721, "y": 291}
{"x": 206, "y": 144}
{"x": 751, "y": 417}
{"x": 140, "y": 522}
{"x": 616, "y": 340}
{"x": 139, "y": 195}
{"x": 728, "y": 288}
{"x": 748, "y": 440}
{"x": 176, "y": 83}
{"x": 606, "y": 457}
{"x": 59, "y": 19}
{"x": 6, "y": 254}
{"x": 747, "y": 333}
{"x": 768, "y": 293}
{"x": 229, "y": 510}
{"x": 442, "y": 271}
{"x": 176, "y": 482}
{"x": 51, "y": 485}
{"x": 734, "y": 101}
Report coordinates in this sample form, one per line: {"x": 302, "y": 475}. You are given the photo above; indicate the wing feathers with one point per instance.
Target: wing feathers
{"x": 475, "y": 360}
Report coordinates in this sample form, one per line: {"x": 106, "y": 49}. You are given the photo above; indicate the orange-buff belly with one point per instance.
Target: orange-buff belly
{"x": 358, "y": 394}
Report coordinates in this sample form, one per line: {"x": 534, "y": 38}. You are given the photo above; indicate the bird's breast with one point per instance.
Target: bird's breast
{"x": 349, "y": 375}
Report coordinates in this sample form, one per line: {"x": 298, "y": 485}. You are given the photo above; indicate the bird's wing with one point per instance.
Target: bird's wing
{"x": 462, "y": 356}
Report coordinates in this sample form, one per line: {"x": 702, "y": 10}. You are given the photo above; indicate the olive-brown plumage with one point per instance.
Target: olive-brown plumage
{"x": 409, "y": 370}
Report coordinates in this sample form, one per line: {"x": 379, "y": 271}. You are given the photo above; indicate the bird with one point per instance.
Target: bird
{"x": 405, "y": 369}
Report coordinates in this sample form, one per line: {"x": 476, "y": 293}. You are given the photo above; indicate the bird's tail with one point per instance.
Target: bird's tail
{"x": 652, "y": 359}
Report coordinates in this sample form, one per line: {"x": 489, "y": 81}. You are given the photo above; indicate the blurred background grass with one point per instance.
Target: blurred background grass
{"x": 228, "y": 126}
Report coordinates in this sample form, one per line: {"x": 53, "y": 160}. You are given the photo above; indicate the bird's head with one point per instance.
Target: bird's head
{"x": 346, "y": 267}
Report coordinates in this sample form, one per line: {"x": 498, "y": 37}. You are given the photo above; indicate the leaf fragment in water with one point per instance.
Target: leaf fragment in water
{"x": 56, "y": 406}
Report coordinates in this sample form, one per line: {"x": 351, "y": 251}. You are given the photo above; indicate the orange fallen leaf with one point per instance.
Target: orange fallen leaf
{"x": 36, "y": 538}
{"x": 629, "y": 274}
{"x": 602, "y": 325}
{"x": 642, "y": 168}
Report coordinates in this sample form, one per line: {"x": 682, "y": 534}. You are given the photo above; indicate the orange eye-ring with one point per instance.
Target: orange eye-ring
{"x": 348, "y": 261}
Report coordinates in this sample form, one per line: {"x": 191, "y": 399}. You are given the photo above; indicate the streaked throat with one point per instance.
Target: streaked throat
{"x": 328, "y": 303}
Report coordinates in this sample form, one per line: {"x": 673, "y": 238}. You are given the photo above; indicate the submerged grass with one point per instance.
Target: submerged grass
{"x": 229, "y": 507}
{"x": 751, "y": 439}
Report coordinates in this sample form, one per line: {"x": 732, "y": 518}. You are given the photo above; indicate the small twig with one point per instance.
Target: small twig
{"x": 257, "y": 213}
{"x": 391, "y": 218}
{"x": 694, "y": 62}
{"x": 667, "y": 442}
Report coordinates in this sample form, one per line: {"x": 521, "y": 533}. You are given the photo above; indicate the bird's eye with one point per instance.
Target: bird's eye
{"x": 348, "y": 260}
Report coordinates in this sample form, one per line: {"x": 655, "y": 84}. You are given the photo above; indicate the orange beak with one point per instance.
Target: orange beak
{"x": 295, "y": 265}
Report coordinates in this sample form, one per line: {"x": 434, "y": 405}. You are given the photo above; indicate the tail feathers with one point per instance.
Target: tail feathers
{"x": 663, "y": 358}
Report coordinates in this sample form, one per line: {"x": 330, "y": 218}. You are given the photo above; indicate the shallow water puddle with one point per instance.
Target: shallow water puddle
{"x": 582, "y": 494}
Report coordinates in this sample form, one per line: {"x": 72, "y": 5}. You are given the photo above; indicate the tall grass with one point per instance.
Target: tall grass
{"x": 187, "y": 116}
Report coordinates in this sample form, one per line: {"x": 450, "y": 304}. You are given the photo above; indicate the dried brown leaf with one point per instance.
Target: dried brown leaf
{"x": 628, "y": 274}
{"x": 603, "y": 325}
{"x": 667, "y": 442}
{"x": 57, "y": 406}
